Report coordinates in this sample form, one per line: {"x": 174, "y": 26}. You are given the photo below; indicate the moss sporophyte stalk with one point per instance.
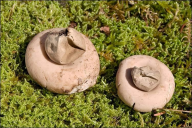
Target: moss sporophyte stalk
{"x": 161, "y": 29}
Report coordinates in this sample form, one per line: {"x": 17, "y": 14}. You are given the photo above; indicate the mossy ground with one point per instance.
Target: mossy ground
{"x": 159, "y": 29}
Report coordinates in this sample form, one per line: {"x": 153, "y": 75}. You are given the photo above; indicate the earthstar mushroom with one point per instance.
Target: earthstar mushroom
{"x": 144, "y": 82}
{"x": 62, "y": 60}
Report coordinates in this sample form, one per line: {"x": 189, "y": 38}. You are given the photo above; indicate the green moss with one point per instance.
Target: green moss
{"x": 160, "y": 29}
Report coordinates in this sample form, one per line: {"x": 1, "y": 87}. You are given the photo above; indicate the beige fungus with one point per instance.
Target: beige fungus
{"x": 144, "y": 83}
{"x": 62, "y": 60}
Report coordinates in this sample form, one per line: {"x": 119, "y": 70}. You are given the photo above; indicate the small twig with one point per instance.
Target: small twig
{"x": 133, "y": 105}
{"x": 175, "y": 110}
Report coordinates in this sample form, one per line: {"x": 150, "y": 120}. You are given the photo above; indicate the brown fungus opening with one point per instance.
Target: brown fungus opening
{"x": 145, "y": 78}
{"x": 64, "y": 46}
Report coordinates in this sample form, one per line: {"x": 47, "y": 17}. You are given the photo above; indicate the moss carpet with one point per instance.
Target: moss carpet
{"x": 161, "y": 29}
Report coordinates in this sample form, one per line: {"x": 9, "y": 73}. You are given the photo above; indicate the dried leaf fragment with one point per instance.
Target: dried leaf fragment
{"x": 73, "y": 24}
{"x": 105, "y": 29}
{"x": 159, "y": 114}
